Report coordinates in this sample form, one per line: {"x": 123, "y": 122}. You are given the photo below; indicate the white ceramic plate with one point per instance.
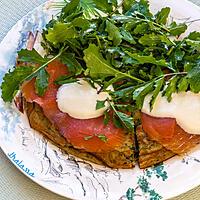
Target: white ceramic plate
{"x": 68, "y": 176}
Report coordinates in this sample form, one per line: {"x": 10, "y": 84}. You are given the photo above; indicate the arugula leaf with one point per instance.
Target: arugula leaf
{"x": 121, "y": 18}
{"x": 140, "y": 93}
{"x": 116, "y": 51}
{"x": 176, "y": 55}
{"x": 41, "y": 82}
{"x": 124, "y": 108}
{"x": 195, "y": 45}
{"x": 158, "y": 86}
{"x": 12, "y": 81}
{"x": 37, "y": 70}
{"x": 162, "y": 16}
{"x": 82, "y": 23}
{"x": 112, "y": 2}
{"x": 194, "y": 36}
{"x": 31, "y": 56}
{"x": 156, "y": 71}
{"x": 141, "y": 7}
{"x": 125, "y": 92}
{"x": 100, "y": 104}
{"x": 106, "y": 118}
{"x": 98, "y": 67}
{"x": 177, "y": 29}
{"x": 127, "y": 4}
{"x": 126, "y": 35}
{"x": 113, "y": 33}
{"x": 171, "y": 88}
{"x": 106, "y": 5}
{"x": 179, "y": 54}
{"x": 89, "y": 8}
{"x": 69, "y": 8}
{"x": 152, "y": 40}
{"x": 122, "y": 120}
{"x": 117, "y": 122}
{"x": 61, "y": 32}
{"x": 194, "y": 79}
{"x": 183, "y": 84}
{"x": 126, "y": 120}
{"x": 73, "y": 65}
{"x": 65, "y": 80}
{"x": 147, "y": 59}
{"x": 141, "y": 28}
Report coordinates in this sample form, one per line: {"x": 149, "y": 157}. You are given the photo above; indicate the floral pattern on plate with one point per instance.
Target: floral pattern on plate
{"x": 68, "y": 176}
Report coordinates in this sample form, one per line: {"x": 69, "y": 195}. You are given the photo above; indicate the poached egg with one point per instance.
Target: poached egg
{"x": 184, "y": 107}
{"x": 78, "y": 99}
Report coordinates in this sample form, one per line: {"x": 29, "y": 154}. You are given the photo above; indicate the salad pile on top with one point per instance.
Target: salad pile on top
{"x": 123, "y": 45}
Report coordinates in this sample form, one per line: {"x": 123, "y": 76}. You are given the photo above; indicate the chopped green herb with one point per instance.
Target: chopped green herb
{"x": 102, "y": 137}
{"x": 88, "y": 137}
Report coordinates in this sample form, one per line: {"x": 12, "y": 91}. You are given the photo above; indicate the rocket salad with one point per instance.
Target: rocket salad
{"x": 123, "y": 45}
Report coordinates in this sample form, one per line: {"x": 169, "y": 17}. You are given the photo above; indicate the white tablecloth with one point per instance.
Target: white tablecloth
{"x": 13, "y": 184}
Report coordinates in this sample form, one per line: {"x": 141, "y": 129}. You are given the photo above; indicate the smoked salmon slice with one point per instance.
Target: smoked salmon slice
{"x": 169, "y": 134}
{"x": 90, "y": 134}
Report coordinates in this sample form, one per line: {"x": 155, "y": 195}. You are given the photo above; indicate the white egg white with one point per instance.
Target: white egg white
{"x": 184, "y": 107}
{"x": 78, "y": 99}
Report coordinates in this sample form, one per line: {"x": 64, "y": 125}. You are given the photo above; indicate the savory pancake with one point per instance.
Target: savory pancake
{"x": 121, "y": 157}
{"x": 150, "y": 152}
